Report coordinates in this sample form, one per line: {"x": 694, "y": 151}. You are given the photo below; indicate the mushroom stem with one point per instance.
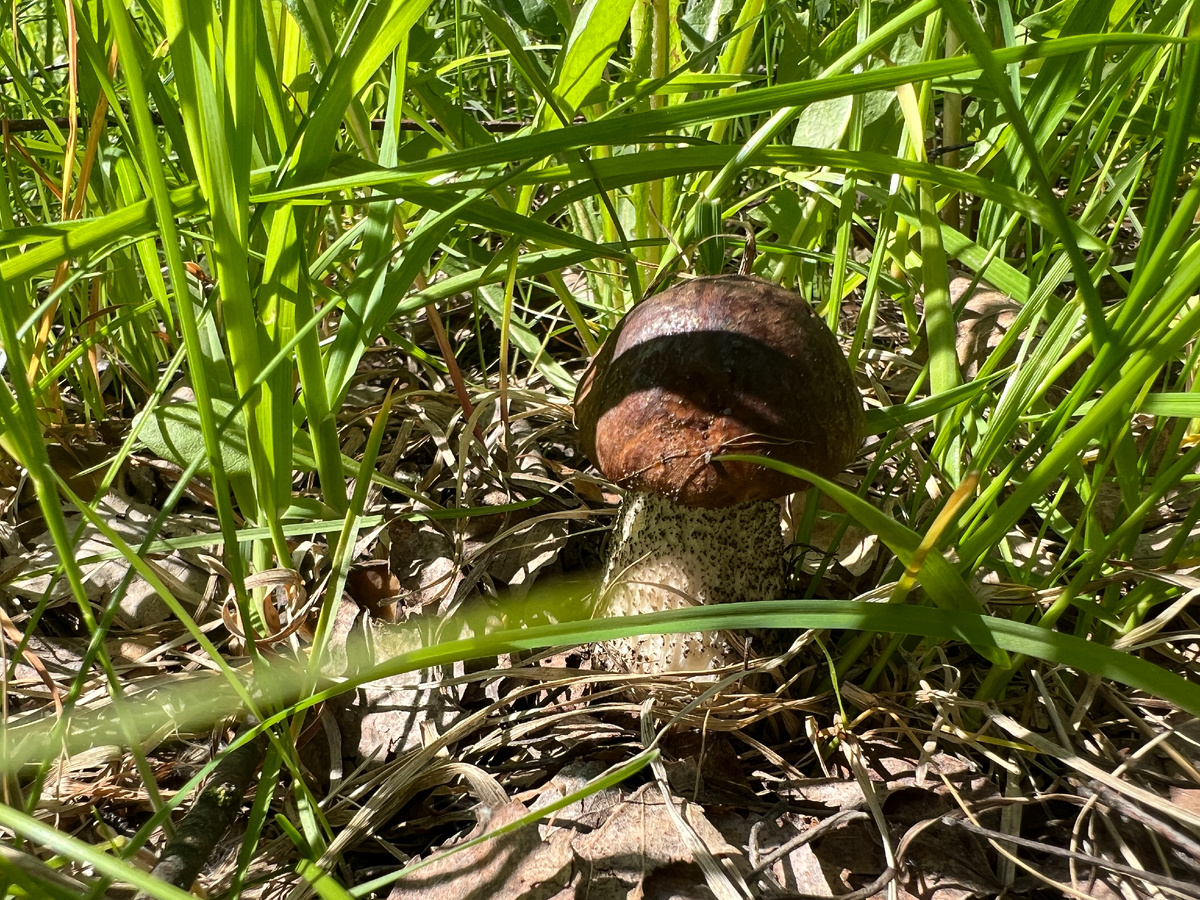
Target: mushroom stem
{"x": 667, "y": 556}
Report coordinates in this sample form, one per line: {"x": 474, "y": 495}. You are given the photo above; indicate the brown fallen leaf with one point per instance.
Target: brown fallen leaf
{"x": 985, "y": 319}
{"x": 140, "y": 605}
{"x": 856, "y": 550}
{"x": 422, "y": 560}
{"x": 515, "y": 866}
{"x": 943, "y": 862}
{"x": 385, "y": 716}
{"x": 638, "y": 852}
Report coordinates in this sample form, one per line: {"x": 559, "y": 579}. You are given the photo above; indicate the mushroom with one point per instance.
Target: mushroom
{"x": 724, "y": 364}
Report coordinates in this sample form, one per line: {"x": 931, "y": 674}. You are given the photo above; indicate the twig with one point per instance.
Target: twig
{"x": 835, "y": 821}
{"x": 210, "y": 816}
{"x": 862, "y": 893}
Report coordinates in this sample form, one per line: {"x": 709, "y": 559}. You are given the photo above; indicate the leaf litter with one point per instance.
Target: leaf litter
{"x": 1068, "y": 787}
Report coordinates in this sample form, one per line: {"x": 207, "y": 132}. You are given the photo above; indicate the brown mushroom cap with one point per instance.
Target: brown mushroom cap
{"x": 727, "y": 364}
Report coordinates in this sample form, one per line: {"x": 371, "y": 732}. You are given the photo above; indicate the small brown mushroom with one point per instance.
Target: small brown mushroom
{"x": 727, "y": 364}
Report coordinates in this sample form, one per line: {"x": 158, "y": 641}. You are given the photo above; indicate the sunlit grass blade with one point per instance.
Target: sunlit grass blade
{"x": 985, "y": 634}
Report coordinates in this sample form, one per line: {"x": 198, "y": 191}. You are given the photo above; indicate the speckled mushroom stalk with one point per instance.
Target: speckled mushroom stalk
{"x": 728, "y": 364}
{"x": 667, "y": 556}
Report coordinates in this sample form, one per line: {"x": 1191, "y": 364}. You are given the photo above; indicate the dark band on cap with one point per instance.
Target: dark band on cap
{"x": 726, "y": 364}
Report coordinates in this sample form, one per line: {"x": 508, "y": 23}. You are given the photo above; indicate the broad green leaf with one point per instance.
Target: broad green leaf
{"x": 823, "y": 124}
{"x": 598, "y": 27}
{"x": 700, "y": 23}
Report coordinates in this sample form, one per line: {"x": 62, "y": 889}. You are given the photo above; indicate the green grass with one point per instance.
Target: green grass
{"x": 335, "y": 169}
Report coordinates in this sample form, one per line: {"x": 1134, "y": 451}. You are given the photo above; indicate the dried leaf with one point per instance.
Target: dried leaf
{"x": 140, "y": 606}
{"x": 514, "y": 866}
{"x": 640, "y": 852}
{"x": 984, "y": 321}
{"x": 422, "y": 559}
